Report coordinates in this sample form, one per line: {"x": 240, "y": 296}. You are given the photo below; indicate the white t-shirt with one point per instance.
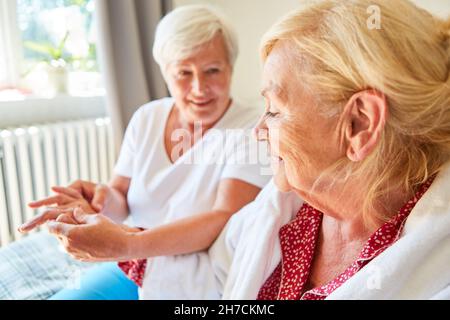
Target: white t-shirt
{"x": 161, "y": 191}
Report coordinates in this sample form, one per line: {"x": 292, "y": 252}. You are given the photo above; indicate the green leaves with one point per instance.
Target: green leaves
{"x": 80, "y": 3}
{"x": 47, "y": 49}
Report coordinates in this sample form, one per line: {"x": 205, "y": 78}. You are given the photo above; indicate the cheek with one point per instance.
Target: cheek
{"x": 220, "y": 85}
{"x": 293, "y": 170}
{"x": 302, "y": 163}
{"x": 273, "y": 131}
{"x": 278, "y": 137}
{"x": 178, "y": 89}
{"x": 291, "y": 145}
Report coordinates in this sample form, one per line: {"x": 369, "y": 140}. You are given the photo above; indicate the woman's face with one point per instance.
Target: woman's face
{"x": 302, "y": 142}
{"x": 200, "y": 84}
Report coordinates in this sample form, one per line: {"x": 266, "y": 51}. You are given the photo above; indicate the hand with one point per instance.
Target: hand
{"x": 93, "y": 237}
{"x": 89, "y": 196}
{"x": 95, "y": 194}
{"x": 67, "y": 200}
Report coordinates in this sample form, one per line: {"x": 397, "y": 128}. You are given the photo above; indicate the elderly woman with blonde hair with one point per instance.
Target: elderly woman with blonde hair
{"x": 358, "y": 122}
{"x": 184, "y": 168}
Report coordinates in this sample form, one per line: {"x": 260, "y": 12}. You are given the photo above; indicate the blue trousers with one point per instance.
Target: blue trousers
{"x": 103, "y": 282}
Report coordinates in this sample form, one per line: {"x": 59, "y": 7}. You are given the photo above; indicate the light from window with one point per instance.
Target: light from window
{"x": 56, "y": 50}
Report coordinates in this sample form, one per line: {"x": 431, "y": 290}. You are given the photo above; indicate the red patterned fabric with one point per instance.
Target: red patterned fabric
{"x": 298, "y": 241}
{"x": 134, "y": 269}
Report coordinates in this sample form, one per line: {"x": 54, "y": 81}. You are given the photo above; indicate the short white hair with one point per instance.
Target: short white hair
{"x": 181, "y": 31}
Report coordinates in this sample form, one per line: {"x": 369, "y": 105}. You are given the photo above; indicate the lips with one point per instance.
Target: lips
{"x": 275, "y": 158}
{"x": 201, "y": 103}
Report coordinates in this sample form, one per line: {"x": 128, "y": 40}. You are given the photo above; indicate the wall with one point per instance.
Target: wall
{"x": 252, "y": 18}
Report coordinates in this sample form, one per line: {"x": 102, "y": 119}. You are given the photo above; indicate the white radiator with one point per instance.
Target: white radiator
{"x": 33, "y": 159}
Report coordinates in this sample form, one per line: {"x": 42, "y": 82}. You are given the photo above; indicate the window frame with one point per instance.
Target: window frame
{"x": 10, "y": 42}
{"x": 35, "y": 110}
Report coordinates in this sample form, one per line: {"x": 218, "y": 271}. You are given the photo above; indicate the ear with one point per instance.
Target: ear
{"x": 366, "y": 114}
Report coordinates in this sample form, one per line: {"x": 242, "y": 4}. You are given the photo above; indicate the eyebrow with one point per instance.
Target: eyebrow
{"x": 215, "y": 62}
{"x": 272, "y": 87}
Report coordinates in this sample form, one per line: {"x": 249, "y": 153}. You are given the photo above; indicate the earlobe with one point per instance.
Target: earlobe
{"x": 353, "y": 155}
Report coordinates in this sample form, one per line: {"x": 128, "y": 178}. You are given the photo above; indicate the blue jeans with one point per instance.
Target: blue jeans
{"x": 103, "y": 282}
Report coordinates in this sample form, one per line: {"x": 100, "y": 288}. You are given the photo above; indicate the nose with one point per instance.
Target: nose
{"x": 260, "y": 130}
{"x": 199, "y": 85}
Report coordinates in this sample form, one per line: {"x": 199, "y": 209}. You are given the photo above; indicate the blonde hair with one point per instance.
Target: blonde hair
{"x": 183, "y": 30}
{"x": 407, "y": 58}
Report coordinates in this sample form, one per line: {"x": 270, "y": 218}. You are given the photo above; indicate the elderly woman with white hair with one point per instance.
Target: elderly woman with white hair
{"x": 358, "y": 123}
{"x": 177, "y": 178}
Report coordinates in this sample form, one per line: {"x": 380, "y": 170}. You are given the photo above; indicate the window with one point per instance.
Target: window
{"x": 48, "y": 47}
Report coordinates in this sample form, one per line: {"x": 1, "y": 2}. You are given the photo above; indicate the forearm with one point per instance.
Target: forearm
{"x": 186, "y": 235}
{"x": 116, "y": 205}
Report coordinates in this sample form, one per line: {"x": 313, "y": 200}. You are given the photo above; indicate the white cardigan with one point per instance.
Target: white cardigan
{"x": 416, "y": 266}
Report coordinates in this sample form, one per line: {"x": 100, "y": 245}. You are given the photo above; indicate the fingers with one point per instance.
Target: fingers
{"x": 77, "y": 185}
{"x": 68, "y": 192}
{"x": 85, "y": 258}
{"x": 74, "y": 191}
{"x": 42, "y": 218}
{"x": 85, "y": 188}
{"x": 81, "y": 203}
{"x": 131, "y": 229}
{"x": 99, "y": 199}
{"x": 44, "y": 202}
{"x": 82, "y": 217}
{"x": 66, "y": 218}
{"x": 59, "y": 228}
{"x": 74, "y": 253}
{"x": 60, "y": 199}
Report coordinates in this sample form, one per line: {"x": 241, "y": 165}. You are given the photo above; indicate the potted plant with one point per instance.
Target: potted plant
{"x": 56, "y": 62}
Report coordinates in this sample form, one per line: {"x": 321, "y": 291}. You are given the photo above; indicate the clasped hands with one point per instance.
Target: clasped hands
{"x": 74, "y": 216}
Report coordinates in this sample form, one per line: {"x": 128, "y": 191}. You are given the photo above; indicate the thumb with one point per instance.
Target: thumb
{"x": 98, "y": 201}
{"x": 80, "y": 216}
{"x": 58, "y": 228}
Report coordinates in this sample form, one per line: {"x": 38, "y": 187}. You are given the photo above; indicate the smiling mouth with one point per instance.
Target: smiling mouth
{"x": 201, "y": 103}
{"x": 276, "y": 158}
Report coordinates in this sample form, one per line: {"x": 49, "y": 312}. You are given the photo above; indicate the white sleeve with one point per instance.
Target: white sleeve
{"x": 247, "y": 250}
{"x": 124, "y": 164}
{"x": 246, "y": 159}
{"x": 444, "y": 294}
{"x": 222, "y": 251}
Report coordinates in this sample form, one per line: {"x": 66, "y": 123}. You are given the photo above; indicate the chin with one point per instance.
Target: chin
{"x": 206, "y": 117}
{"x": 279, "y": 176}
{"x": 282, "y": 183}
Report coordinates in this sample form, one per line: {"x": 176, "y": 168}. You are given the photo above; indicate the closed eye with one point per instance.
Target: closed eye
{"x": 212, "y": 71}
{"x": 270, "y": 114}
{"x": 184, "y": 73}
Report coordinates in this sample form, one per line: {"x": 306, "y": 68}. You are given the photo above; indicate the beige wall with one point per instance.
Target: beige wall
{"x": 438, "y": 7}
{"x": 252, "y": 18}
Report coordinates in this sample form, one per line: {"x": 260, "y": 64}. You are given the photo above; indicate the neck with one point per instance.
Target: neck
{"x": 196, "y": 128}
{"x": 343, "y": 208}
